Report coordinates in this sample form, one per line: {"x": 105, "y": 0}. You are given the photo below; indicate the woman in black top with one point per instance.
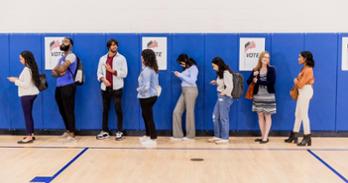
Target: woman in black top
{"x": 264, "y": 101}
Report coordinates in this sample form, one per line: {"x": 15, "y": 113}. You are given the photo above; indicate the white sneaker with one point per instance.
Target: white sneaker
{"x": 102, "y": 135}
{"x": 212, "y": 140}
{"x": 188, "y": 139}
{"x": 65, "y": 134}
{"x": 71, "y": 139}
{"x": 174, "y": 139}
{"x": 222, "y": 141}
{"x": 144, "y": 138}
{"x": 149, "y": 143}
{"x": 119, "y": 136}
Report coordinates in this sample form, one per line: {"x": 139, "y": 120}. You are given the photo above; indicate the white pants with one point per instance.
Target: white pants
{"x": 302, "y": 105}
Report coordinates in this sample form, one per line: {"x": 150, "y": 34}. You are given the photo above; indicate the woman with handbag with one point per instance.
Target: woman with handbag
{"x": 28, "y": 84}
{"x": 304, "y": 84}
{"x": 264, "y": 100}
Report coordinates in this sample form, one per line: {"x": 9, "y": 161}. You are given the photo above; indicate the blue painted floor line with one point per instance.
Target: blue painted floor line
{"x": 49, "y": 179}
{"x": 328, "y": 166}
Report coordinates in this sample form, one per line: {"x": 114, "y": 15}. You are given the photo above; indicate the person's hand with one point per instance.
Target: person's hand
{"x": 106, "y": 82}
{"x": 213, "y": 82}
{"x": 57, "y": 74}
{"x": 54, "y": 73}
{"x": 12, "y": 79}
{"x": 176, "y": 73}
{"x": 255, "y": 80}
{"x": 256, "y": 73}
{"x": 222, "y": 94}
{"x": 109, "y": 69}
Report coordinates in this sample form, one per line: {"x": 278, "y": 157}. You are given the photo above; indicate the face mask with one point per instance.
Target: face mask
{"x": 64, "y": 47}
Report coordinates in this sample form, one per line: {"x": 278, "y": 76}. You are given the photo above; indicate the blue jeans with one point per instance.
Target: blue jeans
{"x": 221, "y": 118}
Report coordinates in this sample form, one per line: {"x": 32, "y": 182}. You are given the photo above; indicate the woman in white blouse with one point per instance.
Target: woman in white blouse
{"x": 27, "y": 83}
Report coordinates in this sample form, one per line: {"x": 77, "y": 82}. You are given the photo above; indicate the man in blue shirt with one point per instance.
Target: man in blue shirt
{"x": 65, "y": 88}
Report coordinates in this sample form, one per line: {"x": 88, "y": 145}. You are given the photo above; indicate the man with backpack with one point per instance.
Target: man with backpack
{"x": 65, "y": 72}
{"x": 112, "y": 69}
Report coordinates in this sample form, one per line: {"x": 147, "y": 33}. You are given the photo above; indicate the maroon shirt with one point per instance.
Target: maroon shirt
{"x": 109, "y": 74}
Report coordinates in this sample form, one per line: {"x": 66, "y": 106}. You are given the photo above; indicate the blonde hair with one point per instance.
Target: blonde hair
{"x": 259, "y": 63}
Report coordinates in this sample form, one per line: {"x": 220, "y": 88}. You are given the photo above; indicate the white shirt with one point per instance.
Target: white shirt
{"x": 225, "y": 85}
{"x": 119, "y": 64}
{"x": 26, "y": 86}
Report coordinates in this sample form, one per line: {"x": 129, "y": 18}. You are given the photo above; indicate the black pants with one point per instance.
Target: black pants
{"x": 65, "y": 98}
{"x": 107, "y": 95}
{"x": 27, "y": 106}
{"x": 146, "y": 109}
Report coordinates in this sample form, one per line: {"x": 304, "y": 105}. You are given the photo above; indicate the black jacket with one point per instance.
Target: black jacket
{"x": 271, "y": 78}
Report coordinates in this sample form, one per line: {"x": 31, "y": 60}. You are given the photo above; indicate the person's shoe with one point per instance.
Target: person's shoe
{"x": 119, "y": 136}
{"x": 212, "y": 140}
{"x": 264, "y": 141}
{"x": 144, "y": 138}
{"x": 65, "y": 134}
{"x": 149, "y": 143}
{"x": 307, "y": 140}
{"x": 188, "y": 139}
{"x": 222, "y": 141}
{"x": 174, "y": 139}
{"x": 102, "y": 135}
{"x": 26, "y": 141}
{"x": 292, "y": 137}
{"x": 258, "y": 140}
{"x": 71, "y": 138}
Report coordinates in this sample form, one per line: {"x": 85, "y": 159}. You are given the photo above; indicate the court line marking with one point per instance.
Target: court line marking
{"x": 327, "y": 165}
{"x": 50, "y": 179}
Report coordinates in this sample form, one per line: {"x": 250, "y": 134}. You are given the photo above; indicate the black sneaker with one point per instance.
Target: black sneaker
{"x": 119, "y": 136}
{"x": 102, "y": 135}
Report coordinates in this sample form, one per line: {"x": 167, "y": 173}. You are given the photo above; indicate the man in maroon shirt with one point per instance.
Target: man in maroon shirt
{"x": 112, "y": 69}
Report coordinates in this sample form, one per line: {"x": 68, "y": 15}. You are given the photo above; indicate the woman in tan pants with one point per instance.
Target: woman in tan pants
{"x": 187, "y": 99}
{"x": 303, "y": 83}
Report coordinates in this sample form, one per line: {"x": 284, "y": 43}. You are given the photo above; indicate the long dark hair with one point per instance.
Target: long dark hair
{"x": 222, "y": 66}
{"x": 31, "y": 63}
{"x": 186, "y": 59}
{"x": 150, "y": 60}
{"x": 308, "y": 56}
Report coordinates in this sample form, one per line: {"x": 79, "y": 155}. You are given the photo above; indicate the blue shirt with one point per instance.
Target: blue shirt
{"x": 147, "y": 83}
{"x": 189, "y": 77}
{"x": 68, "y": 77}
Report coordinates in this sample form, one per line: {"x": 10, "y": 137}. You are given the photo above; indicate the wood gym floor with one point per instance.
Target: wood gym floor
{"x": 51, "y": 159}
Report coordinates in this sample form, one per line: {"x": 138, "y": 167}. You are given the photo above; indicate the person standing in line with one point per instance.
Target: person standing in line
{"x": 28, "y": 83}
{"x": 221, "y": 114}
{"x": 264, "y": 100}
{"x": 112, "y": 69}
{"x": 66, "y": 88}
{"x": 187, "y": 99}
{"x": 148, "y": 85}
{"x": 304, "y": 83}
